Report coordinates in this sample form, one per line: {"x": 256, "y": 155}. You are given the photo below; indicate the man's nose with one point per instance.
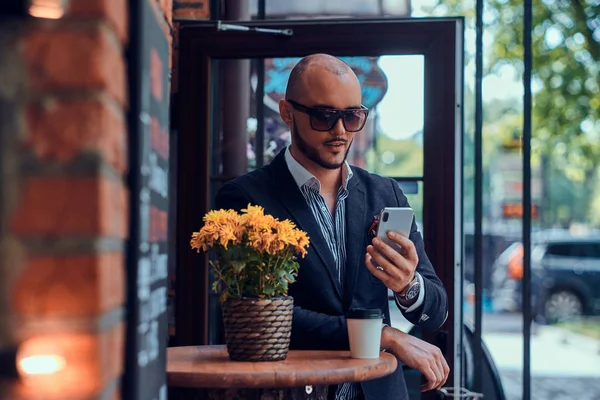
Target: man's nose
{"x": 338, "y": 129}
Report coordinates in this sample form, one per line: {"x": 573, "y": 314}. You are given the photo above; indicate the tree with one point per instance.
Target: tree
{"x": 566, "y": 77}
{"x": 566, "y": 80}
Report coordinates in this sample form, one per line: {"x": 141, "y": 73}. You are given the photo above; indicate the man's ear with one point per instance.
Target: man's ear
{"x": 285, "y": 110}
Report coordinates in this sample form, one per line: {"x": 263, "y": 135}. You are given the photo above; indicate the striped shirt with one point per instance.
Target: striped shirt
{"x": 333, "y": 228}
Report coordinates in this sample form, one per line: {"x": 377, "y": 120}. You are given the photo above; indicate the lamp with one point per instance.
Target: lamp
{"x": 49, "y": 9}
{"x": 43, "y": 364}
{"x": 25, "y": 360}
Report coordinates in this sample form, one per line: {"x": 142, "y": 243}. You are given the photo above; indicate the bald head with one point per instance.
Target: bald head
{"x": 314, "y": 63}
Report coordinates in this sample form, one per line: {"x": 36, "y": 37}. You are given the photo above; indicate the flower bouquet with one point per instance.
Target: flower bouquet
{"x": 255, "y": 263}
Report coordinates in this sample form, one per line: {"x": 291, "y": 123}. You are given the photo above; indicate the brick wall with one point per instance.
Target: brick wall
{"x": 64, "y": 202}
{"x": 191, "y": 9}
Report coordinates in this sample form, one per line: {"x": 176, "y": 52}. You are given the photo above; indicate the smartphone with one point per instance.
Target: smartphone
{"x": 399, "y": 219}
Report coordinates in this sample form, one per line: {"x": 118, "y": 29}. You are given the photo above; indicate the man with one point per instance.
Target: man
{"x": 311, "y": 184}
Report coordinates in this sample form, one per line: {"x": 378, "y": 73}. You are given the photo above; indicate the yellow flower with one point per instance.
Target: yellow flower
{"x": 223, "y": 227}
{"x": 302, "y": 242}
{"x": 253, "y": 215}
{"x": 227, "y": 234}
{"x": 270, "y": 246}
{"x": 220, "y": 217}
{"x": 261, "y": 241}
{"x": 261, "y": 232}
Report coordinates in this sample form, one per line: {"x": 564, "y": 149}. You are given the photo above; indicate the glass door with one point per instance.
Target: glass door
{"x": 228, "y": 124}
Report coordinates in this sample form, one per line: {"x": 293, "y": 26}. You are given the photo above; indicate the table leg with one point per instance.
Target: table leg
{"x": 300, "y": 393}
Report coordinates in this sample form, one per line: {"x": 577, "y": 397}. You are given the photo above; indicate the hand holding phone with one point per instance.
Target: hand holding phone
{"x": 397, "y": 219}
{"x": 393, "y": 259}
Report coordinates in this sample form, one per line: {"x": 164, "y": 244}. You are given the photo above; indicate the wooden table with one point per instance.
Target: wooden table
{"x": 205, "y": 372}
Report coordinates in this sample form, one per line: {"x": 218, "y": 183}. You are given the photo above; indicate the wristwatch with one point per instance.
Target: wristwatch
{"x": 410, "y": 293}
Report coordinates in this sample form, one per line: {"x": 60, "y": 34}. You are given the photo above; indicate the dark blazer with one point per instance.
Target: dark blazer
{"x": 319, "y": 302}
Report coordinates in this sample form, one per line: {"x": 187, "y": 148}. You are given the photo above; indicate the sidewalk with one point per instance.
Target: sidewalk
{"x": 551, "y": 388}
{"x": 554, "y": 352}
{"x": 564, "y": 365}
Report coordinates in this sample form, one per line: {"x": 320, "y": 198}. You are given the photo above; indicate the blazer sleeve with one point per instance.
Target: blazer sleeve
{"x": 434, "y": 310}
{"x": 310, "y": 330}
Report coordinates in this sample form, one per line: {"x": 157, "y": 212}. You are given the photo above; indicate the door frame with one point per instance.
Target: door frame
{"x": 440, "y": 40}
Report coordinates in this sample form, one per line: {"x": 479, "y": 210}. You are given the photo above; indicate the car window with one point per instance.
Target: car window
{"x": 564, "y": 249}
{"x": 592, "y": 250}
{"x": 579, "y": 250}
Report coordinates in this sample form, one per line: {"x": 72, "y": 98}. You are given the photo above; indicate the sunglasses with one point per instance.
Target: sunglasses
{"x": 324, "y": 119}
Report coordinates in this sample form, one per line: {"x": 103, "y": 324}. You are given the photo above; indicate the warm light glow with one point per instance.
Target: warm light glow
{"x": 51, "y": 9}
{"x": 41, "y": 365}
{"x": 52, "y": 365}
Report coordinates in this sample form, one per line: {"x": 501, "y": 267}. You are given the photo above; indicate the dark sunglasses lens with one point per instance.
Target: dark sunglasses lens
{"x": 354, "y": 120}
{"x": 323, "y": 120}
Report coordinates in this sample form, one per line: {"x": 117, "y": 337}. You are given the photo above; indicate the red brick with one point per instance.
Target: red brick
{"x": 75, "y": 59}
{"x": 191, "y": 9}
{"x": 91, "y": 362}
{"x": 62, "y": 206}
{"x": 61, "y": 130}
{"x": 69, "y": 286}
{"x": 113, "y": 11}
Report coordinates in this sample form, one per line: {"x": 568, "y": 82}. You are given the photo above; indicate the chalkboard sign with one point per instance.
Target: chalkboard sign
{"x": 147, "y": 261}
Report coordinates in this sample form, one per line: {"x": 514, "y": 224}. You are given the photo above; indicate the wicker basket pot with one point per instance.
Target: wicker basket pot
{"x": 258, "y": 330}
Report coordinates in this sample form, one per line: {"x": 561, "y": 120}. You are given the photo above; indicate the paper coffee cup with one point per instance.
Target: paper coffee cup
{"x": 364, "y": 332}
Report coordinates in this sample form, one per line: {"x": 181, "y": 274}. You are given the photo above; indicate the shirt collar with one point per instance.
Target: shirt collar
{"x": 303, "y": 177}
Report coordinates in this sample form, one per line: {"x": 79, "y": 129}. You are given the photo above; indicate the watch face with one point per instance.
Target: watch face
{"x": 412, "y": 292}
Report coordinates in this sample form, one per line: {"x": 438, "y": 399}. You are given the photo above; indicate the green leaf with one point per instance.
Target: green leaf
{"x": 238, "y": 266}
{"x": 269, "y": 290}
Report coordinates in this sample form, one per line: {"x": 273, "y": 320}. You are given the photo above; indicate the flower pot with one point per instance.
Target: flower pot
{"x": 258, "y": 329}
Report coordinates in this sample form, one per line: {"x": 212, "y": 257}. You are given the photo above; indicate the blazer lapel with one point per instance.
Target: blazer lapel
{"x": 293, "y": 201}
{"x": 355, "y": 236}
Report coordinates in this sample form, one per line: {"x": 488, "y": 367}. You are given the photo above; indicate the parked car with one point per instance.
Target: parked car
{"x": 565, "y": 277}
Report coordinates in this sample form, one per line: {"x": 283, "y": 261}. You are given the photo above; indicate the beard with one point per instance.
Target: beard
{"x": 313, "y": 154}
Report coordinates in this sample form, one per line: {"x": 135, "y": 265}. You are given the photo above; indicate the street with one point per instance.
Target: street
{"x": 564, "y": 365}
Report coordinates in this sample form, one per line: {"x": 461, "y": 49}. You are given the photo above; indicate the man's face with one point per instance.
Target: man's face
{"x": 324, "y": 89}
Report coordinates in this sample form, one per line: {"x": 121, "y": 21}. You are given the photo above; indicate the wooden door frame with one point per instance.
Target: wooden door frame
{"x": 440, "y": 40}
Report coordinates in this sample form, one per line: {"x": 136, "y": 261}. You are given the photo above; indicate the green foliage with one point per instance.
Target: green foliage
{"x": 590, "y": 328}
{"x": 566, "y": 70}
{"x": 407, "y": 162}
{"x": 566, "y": 91}
{"x": 595, "y": 206}
{"x": 243, "y": 272}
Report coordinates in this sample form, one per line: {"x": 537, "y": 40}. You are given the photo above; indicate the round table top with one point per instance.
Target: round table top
{"x": 210, "y": 367}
